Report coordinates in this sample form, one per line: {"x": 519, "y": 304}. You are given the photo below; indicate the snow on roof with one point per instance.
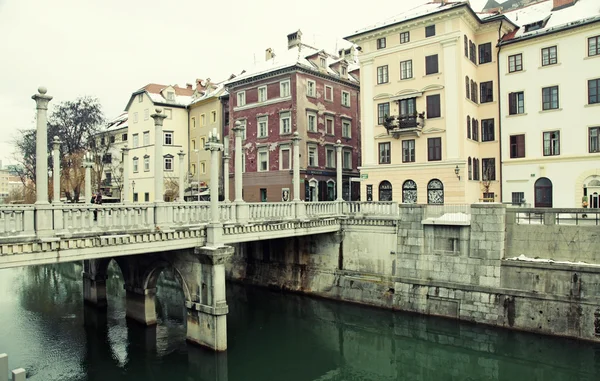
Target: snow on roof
{"x": 183, "y": 96}
{"x": 581, "y": 11}
{"x": 418, "y": 11}
{"x": 117, "y": 123}
{"x": 216, "y": 90}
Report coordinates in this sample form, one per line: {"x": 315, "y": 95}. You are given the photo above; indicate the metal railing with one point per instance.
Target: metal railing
{"x": 555, "y": 216}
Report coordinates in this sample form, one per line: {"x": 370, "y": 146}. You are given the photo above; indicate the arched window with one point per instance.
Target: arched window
{"x": 466, "y": 46}
{"x": 475, "y": 169}
{"x": 470, "y": 164}
{"x": 330, "y": 190}
{"x": 385, "y": 191}
{"x": 468, "y": 127}
{"x": 543, "y": 193}
{"x": 409, "y": 192}
{"x": 475, "y": 128}
{"x": 435, "y": 192}
{"x": 474, "y": 91}
{"x": 468, "y": 87}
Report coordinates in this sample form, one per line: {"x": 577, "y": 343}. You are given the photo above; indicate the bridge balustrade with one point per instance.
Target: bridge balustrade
{"x": 16, "y": 220}
{"x": 78, "y": 218}
{"x": 271, "y": 210}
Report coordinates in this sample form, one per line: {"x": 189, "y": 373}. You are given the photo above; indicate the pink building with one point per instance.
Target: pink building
{"x": 307, "y": 90}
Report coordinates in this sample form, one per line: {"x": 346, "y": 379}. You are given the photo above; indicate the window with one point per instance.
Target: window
{"x": 488, "y": 169}
{"x": 311, "y": 88}
{"x": 594, "y": 46}
{"x": 515, "y": 63}
{"x": 517, "y": 198}
{"x": 474, "y": 91}
{"x": 213, "y": 116}
{"x": 431, "y": 64}
{"x": 263, "y": 194}
{"x": 347, "y": 159}
{"x": 170, "y": 96}
{"x": 487, "y": 130}
{"x": 203, "y": 167}
{"x": 263, "y": 160}
{"x": 311, "y": 119}
{"x": 140, "y": 98}
{"x": 262, "y": 93}
{"x": 516, "y": 103}
{"x": 549, "y": 56}
{"x": 124, "y": 137}
{"x": 135, "y": 164}
{"x": 313, "y": 157}
{"x": 487, "y": 92}
{"x": 385, "y": 191}
{"x": 385, "y": 153}
{"x": 467, "y": 87}
{"x": 284, "y": 156}
{"x": 344, "y": 71}
{"x": 168, "y": 138}
{"x": 203, "y": 141}
{"x": 328, "y": 93}
{"x": 594, "y": 133}
{"x": 146, "y": 114}
{"x": 475, "y": 169}
{"x": 193, "y": 169}
{"x": 434, "y": 149}
{"x": 409, "y": 192}
{"x": 381, "y": 43}
{"x": 433, "y": 106}
{"x": 383, "y": 110}
{"x": 112, "y": 139}
{"x": 551, "y": 143}
{"x": 382, "y": 74}
{"x": 466, "y": 43}
{"x": 594, "y": 91}
{"x": 468, "y": 127}
{"x": 408, "y": 151}
{"x": 346, "y": 129}
{"x": 485, "y": 53}
{"x": 135, "y": 117}
{"x": 263, "y": 127}
{"x": 323, "y": 62}
{"x": 241, "y": 98}
{"x": 408, "y": 106}
{"x": 136, "y": 140}
{"x": 203, "y": 120}
{"x": 193, "y": 122}
{"x": 475, "y": 129}
{"x": 146, "y": 163}
{"x": 285, "y": 123}
{"x": 470, "y": 168}
{"x": 435, "y": 192}
{"x": 404, "y": 37}
{"x": 430, "y": 31}
{"x": 168, "y": 163}
{"x": 146, "y": 197}
{"x": 284, "y": 89}
{"x": 517, "y": 146}
{"x": 550, "y": 98}
{"x": 135, "y": 197}
{"x": 472, "y": 51}
{"x": 146, "y": 138}
{"x": 345, "y": 98}
{"x": 329, "y": 126}
{"x": 330, "y": 158}
{"x": 406, "y": 71}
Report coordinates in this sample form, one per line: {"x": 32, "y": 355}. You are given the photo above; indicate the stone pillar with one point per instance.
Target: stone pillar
{"x": 226, "y": 177}
{"x": 242, "y": 210}
{"x": 56, "y": 170}
{"x": 140, "y": 304}
{"x": 87, "y": 164}
{"x": 125, "y": 164}
{"x": 300, "y": 207}
{"x": 159, "y": 182}
{"x": 3, "y": 367}
{"x": 182, "y": 171}
{"x": 41, "y": 146}
{"x": 339, "y": 168}
{"x": 94, "y": 289}
{"x": 207, "y": 320}
{"x": 214, "y": 230}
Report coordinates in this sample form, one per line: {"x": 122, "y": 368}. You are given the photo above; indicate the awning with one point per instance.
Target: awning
{"x": 414, "y": 94}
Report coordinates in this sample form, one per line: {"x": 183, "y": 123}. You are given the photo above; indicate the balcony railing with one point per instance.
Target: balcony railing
{"x": 400, "y": 123}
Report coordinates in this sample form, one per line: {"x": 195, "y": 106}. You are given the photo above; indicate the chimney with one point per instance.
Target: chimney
{"x": 269, "y": 54}
{"x": 189, "y": 86}
{"x": 294, "y": 39}
{"x": 560, "y": 4}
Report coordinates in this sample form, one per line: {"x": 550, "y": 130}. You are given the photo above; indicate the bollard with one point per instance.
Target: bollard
{"x": 3, "y": 367}
{"x": 19, "y": 374}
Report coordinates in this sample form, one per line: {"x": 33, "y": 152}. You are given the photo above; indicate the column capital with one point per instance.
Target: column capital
{"x": 238, "y": 128}
{"x": 212, "y": 146}
{"x": 158, "y": 117}
{"x": 214, "y": 255}
{"x": 296, "y": 138}
{"x": 41, "y": 99}
{"x": 338, "y": 145}
{"x": 181, "y": 154}
{"x": 125, "y": 149}
{"x": 56, "y": 143}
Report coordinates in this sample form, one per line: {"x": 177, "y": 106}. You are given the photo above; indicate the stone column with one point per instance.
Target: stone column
{"x": 226, "y": 177}
{"x": 214, "y": 231}
{"x": 125, "y": 180}
{"x": 56, "y": 170}
{"x": 87, "y": 164}
{"x": 242, "y": 210}
{"x": 159, "y": 182}
{"x": 296, "y": 168}
{"x": 41, "y": 146}
{"x": 94, "y": 289}
{"x": 140, "y": 304}
{"x": 181, "y": 154}
{"x": 339, "y": 167}
{"x": 207, "y": 320}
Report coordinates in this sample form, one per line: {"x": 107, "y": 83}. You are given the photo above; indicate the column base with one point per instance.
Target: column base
{"x": 207, "y": 326}
{"x": 242, "y": 212}
{"x": 94, "y": 290}
{"x": 214, "y": 235}
{"x": 140, "y": 305}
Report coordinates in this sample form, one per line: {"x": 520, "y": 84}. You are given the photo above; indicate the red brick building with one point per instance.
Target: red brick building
{"x": 306, "y": 90}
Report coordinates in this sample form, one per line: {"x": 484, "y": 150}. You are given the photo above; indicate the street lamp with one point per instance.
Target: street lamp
{"x": 133, "y": 187}
{"x": 197, "y": 151}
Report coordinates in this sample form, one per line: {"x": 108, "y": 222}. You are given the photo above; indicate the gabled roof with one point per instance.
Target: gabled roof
{"x": 183, "y": 96}
{"x": 118, "y": 123}
{"x": 548, "y": 21}
{"x": 214, "y": 91}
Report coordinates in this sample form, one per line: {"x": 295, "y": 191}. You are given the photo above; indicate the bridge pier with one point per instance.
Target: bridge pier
{"x": 140, "y": 304}
{"x": 94, "y": 289}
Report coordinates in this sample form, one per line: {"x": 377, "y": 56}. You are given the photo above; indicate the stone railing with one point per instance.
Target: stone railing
{"x": 16, "y": 375}
{"x": 553, "y": 216}
{"x": 111, "y": 217}
{"x": 271, "y": 210}
{"x": 189, "y": 213}
{"x": 322, "y": 209}
{"x": 379, "y": 209}
{"x": 16, "y": 220}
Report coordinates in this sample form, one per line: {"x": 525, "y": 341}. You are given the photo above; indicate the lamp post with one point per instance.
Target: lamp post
{"x": 197, "y": 151}
{"x": 133, "y": 189}
{"x": 456, "y": 172}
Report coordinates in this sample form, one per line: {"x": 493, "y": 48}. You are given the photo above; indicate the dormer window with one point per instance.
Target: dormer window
{"x": 140, "y": 98}
{"x": 323, "y": 62}
{"x": 536, "y": 25}
{"x": 170, "y": 96}
{"x": 344, "y": 71}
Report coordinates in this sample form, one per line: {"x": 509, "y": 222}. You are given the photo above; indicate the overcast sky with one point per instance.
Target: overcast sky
{"x": 110, "y": 48}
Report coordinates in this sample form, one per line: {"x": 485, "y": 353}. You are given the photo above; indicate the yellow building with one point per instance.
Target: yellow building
{"x": 429, "y": 105}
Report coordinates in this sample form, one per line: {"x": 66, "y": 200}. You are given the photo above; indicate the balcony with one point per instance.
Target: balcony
{"x": 402, "y": 125}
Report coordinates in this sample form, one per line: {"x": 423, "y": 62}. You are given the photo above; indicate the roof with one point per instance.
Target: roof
{"x": 296, "y": 56}
{"x": 183, "y": 96}
{"x": 582, "y": 12}
{"x": 215, "y": 90}
{"x": 117, "y": 123}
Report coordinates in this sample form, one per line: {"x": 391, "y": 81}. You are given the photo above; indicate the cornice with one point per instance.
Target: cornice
{"x": 368, "y": 57}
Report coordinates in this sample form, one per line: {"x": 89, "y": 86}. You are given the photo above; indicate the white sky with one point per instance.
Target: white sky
{"x": 110, "y": 48}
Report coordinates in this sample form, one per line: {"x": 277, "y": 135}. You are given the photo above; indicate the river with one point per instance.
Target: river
{"x": 46, "y": 329}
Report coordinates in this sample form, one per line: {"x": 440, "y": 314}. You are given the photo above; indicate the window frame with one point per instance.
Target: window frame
{"x": 166, "y": 137}
{"x": 312, "y": 115}
{"x": 427, "y": 64}
{"x": 596, "y": 81}
{"x": 312, "y": 148}
{"x": 516, "y": 66}
{"x": 549, "y": 93}
{"x": 347, "y": 159}
{"x": 485, "y": 164}
{"x": 310, "y": 93}
{"x": 549, "y": 49}
{"x": 597, "y": 138}
{"x": 408, "y": 70}
{"x": 168, "y": 160}
{"x": 381, "y": 43}
{"x": 479, "y": 50}
{"x": 438, "y": 107}
{"x": 430, "y": 31}
{"x": 282, "y": 150}
{"x": 406, "y": 36}
{"x": 516, "y": 106}
{"x": 135, "y": 140}
{"x": 514, "y": 147}
{"x": 383, "y": 76}
{"x": 381, "y": 108}
{"x": 552, "y": 150}
{"x": 332, "y": 120}
{"x": 388, "y": 151}
{"x": 285, "y": 115}
{"x": 330, "y": 162}
{"x": 597, "y": 46}
{"x": 410, "y": 149}
{"x": 346, "y": 131}
{"x": 330, "y": 88}
{"x": 282, "y": 89}
{"x": 241, "y": 98}
{"x": 136, "y": 165}
{"x": 146, "y": 138}
{"x": 489, "y": 92}
{"x": 434, "y": 144}
{"x": 485, "y": 130}
{"x": 146, "y": 163}
{"x": 261, "y": 90}
{"x": 260, "y": 120}
{"x": 259, "y": 161}
{"x": 347, "y": 103}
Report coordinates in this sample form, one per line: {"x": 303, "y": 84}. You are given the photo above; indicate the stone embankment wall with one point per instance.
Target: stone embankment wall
{"x": 456, "y": 270}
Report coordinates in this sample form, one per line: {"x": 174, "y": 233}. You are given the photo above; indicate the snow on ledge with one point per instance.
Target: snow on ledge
{"x": 524, "y": 258}
{"x": 458, "y": 218}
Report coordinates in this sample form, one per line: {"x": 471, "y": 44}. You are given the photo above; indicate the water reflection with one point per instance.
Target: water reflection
{"x": 45, "y": 328}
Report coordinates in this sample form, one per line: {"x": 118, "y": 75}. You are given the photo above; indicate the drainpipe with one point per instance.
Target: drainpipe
{"x": 500, "y": 110}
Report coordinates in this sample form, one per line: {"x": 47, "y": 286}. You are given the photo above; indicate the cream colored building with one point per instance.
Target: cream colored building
{"x": 550, "y": 73}
{"x": 435, "y": 72}
{"x": 4, "y": 184}
{"x": 110, "y": 143}
{"x": 173, "y": 101}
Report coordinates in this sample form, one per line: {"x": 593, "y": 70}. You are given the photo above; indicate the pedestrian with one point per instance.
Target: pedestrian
{"x": 97, "y": 199}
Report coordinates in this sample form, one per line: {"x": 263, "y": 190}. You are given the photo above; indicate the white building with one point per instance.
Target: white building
{"x": 550, "y": 105}
{"x": 112, "y": 140}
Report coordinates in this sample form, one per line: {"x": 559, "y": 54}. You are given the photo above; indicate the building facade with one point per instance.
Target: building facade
{"x": 304, "y": 90}
{"x": 173, "y": 101}
{"x": 550, "y": 71}
{"x": 109, "y": 168}
{"x": 429, "y": 106}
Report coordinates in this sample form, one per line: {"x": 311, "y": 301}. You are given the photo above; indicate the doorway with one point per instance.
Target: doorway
{"x": 543, "y": 193}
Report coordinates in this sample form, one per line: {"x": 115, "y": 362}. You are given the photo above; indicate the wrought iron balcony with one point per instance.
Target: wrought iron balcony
{"x": 399, "y": 124}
